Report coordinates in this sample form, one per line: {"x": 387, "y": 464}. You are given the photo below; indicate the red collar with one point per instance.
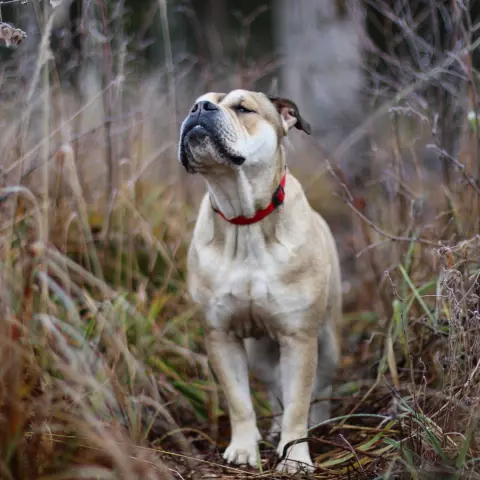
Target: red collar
{"x": 277, "y": 199}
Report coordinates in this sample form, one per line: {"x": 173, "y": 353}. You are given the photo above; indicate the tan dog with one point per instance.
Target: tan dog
{"x": 264, "y": 268}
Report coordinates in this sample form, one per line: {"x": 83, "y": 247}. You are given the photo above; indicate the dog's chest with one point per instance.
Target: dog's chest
{"x": 245, "y": 299}
{"x": 247, "y": 291}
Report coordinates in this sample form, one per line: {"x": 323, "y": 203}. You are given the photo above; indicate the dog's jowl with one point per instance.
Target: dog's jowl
{"x": 264, "y": 268}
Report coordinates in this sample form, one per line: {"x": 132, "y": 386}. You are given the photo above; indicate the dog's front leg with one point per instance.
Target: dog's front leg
{"x": 298, "y": 362}
{"x": 229, "y": 361}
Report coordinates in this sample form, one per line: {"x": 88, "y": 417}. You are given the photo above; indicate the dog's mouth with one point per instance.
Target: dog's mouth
{"x": 199, "y": 134}
{"x": 196, "y": 135}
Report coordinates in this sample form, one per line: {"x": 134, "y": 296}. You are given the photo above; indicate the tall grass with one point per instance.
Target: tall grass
{"x": 103, "y": 372}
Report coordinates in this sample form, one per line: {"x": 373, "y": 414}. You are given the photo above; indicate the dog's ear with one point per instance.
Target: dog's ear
{"x": 289, "y": 112}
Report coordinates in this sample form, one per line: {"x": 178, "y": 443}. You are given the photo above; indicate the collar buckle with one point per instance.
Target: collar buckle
{"x": 278, "y": 196}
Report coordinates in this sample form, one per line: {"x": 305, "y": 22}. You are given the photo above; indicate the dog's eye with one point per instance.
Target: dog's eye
{"x": 242, "y": 109}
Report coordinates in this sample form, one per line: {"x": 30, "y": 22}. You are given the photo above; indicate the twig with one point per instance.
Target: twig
{"x": 371, "y": 247}
{"x": 358, "y": 133}
{"x": 458, "y": 164}
{"x": 9, "y": 2}
{"x": 397, "y": 238}
{"x": 349, "y": 446}
{"x": 390, "y": 236}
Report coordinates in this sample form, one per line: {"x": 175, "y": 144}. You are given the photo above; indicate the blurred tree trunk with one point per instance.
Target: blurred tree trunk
{"x": 320, "y": 44}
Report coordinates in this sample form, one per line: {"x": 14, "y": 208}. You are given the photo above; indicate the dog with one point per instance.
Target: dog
{"x": 264, "y": 268}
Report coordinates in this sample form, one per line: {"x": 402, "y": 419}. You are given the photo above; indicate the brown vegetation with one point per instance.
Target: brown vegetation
{"x": 103, "y": 373}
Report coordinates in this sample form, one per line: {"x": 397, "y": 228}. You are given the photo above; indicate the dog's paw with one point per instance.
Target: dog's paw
{"x": 297, "y": 459}
{"x": 243, "y": 450}
{"x": 293, "y": 466}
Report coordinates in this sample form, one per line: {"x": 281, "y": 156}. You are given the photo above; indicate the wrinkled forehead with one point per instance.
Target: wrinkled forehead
{"x": 256, "y": 100}
{"x": 211, "y": 97}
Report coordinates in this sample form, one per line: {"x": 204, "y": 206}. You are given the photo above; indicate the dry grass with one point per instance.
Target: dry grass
{"x": 103, "y": 373}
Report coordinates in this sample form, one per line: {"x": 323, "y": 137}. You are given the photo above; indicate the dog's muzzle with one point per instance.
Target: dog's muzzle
{"x": 204, "y": 123}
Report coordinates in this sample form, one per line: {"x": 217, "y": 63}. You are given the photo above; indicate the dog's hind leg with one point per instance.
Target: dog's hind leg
{"x": 263, "y": 358}
{"x": 328, "y": 349}
{"x": 328, "y": 357}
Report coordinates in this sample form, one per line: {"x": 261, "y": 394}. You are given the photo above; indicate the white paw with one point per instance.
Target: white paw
{"x": 297, "y": 459}
{"x": 243, "y": 450}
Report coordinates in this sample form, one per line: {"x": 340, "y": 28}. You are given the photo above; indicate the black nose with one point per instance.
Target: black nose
{"x": 204, "y": 107}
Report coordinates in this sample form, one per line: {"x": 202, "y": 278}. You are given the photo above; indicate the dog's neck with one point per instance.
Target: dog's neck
{"x": 244, "y": 191}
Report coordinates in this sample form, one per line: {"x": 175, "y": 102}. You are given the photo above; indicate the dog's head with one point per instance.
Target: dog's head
{"x": 234, "y": 128}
